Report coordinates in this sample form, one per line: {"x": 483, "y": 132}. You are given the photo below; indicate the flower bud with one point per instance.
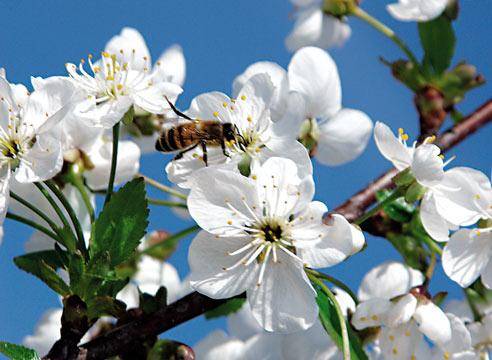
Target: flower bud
{"x": 339, "y": 8}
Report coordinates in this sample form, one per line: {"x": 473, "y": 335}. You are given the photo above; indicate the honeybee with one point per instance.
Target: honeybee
{"x": 187, "y": 136}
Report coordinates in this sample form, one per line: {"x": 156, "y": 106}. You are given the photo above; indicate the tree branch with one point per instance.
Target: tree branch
{"x": 193, "y": 305}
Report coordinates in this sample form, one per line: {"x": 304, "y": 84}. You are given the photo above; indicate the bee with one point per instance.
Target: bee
{"x": 187, "y": 136}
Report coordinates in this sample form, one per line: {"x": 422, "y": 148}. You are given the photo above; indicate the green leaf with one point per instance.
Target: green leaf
{"x": 121, "y": 224}
{"x": 438, "y": 41}
{"x": 168, "y": 349}
{"x": 229, "y": 307}
{"x": 17, "y": 352}
{"x": 43, "y": 265}
{"x": 329, "y": 319}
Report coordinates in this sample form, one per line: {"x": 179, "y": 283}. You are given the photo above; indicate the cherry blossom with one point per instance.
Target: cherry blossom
{"x": 417, "y": 10}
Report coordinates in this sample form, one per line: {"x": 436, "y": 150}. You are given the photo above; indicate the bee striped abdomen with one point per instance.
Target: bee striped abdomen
{"x": 177, "y": 138}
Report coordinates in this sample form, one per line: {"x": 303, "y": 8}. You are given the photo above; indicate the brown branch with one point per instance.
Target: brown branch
{"x": 193, "y": 305}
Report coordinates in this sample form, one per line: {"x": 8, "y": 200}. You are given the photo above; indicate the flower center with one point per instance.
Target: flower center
{"x": 309, "y": 133}
{"x": 272, "y": 233}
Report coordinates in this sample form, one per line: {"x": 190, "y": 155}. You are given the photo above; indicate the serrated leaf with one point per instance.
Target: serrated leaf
{"x": 121, "y": 224}
{"x": 438, "y": 41}
{"x": 17, "y": 352}
{"x": 229, "y": 307}
{"x": 331, "y": 324}
{"x": 43, "y": 266}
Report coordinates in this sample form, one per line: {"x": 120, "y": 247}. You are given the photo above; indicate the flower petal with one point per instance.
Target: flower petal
{"x": 272, "y": 308}
{"x": 218, "y": 346}
{"x": 370, "y": 313}
{"x": 391, "y": 148}
{"x": 466, "y": 255}
{"x": 389, "y": 280}
{"x": 208, "y": 256}
{"x": 401, "y": 311}
{"x": 427, "y": 166}
{"x": 343, "y": 137}
{"x": 434, "y": 224}
{"x": 402, "y": 342}
{"x": 171, "y": 66}
{"x": 129, "y": 47}
{"x": 314, "y": 74}
{"x": 417, "y": 10}
{"x": 433, "y": 323}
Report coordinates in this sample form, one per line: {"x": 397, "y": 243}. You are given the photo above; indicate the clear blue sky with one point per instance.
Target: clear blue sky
{"x": 221, "y": 38}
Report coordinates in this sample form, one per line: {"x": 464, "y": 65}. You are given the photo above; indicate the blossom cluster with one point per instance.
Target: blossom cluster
{"x": 243, "y": 164}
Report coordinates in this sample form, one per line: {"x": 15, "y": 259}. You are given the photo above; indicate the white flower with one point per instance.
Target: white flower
{"x": 340, "y": 135}
{"x": 150, "y": 276}
{"x": 481, "y": 333}
{"x": 28, "y": 151}
{"x": 127, "y": 164}
{"x": 258, "y": 136}
{"x": 219, "y": 346}
{"x": 260, "y": 233}
{"x": 417, "y": 10}
{"x": 170, "y": 67}
{"x": 404, "y": 318}
{"x": 315, "y": 28}
{"x": 116, "y": 86}
{"x": 462, "y": 197}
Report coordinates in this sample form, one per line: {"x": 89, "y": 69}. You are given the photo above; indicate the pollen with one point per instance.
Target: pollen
{"x": 363, "y": 318}
{"x": 394, "y": 351}
{"x": 215, "y": 114}
{"x": 401, "y": 131}
{"x": 121, "y": 51}
{"x": 229, "y": 222}
{"x": 404, "y": 137}
{"x": 254, "y": 177}
{"x": 413, "y": 357}
{"x": 446, "y": 356}
{"x": 407, "y": 333}
{"x": 89, "y": 56}
{"x": 232, "y": 107}
{"x": 375, "y": 317}
{"x": 224, "y": 104}
{"x": 441, "y": 156}
{"x": 243, "y": 97}
{"x": 105, "y": 54}
{"x": 82, "y": 61}
{"x": 119, "y": 86}
{"x": 249, "y": 118}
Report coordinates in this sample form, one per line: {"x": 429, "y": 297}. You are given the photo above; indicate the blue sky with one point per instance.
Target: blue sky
{"x": 220, "y": 39}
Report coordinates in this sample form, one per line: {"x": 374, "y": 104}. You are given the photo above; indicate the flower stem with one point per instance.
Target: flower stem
{"x": 171, "y": 238}
{"x": 341, "y": 318}
{"x": 335, "y": 282}
{"x": 71, "y": 213}
{"x": 167, "y": 203}
{"x": 78, "y": 183}
{"x": 386, "y": 31}
{"x": 35, "y": 210}
{"x": 32, "y": 224}
{"x": 432, "y": 245}
{"x": 53, "y": 204}
{"x": 114, "y": 161}
{"x": 162, "y": 187}
{"x": 392, "y": 197}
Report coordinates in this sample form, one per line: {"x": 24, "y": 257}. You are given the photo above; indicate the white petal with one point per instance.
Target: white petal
{"x": 127, "y": 166}
{"x": 310, "y": 344}
{"x": 4, "y": 193}
{"x": 370, "y": 313}
{"x": 391, "y": 148}
{"x": 460, "y": 336}
{"x": 487, "y": 275}
{"x": 208, "y": 256}
{"x": 278, "y": 76}
{"x": 346, "y": 302}
{"x": 218, "y": 346}
{"x": 264, "y": 346}
{"x": 135, "y": 51}
{"x": 339, "y": 239}
{"x": 427, "y": 166}
{"x": 43, "y": 161}
{"x": 466, "y": 255}
{"x": 290, "y": 122}
{"x": 314, "y": 74}
{"x": 434, "y": 224}
{"x": 171, "y": 66}
{"x": 401, "y": 311}
{"x": 210, "y": 208}
{"x": 417, "y": 10}
{"x": 402, "y": 342}
{"x": 389, "y": 280}
{"x": 433, "y": 323}
{"x": 242, "y": 323}
{"x": 343, "y": 137}
{"x": 152, "y": 98}
{"x": 272, "y": 308}
{"x": 290, "y": 149}
{"x": 461, "y": 309}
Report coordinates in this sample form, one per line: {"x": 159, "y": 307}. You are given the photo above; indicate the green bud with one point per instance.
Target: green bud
{"x": 309, "y": 134}
{"x": 339, "y": 8}
{"x": 129, "y": 115}
{"x": 244, "y": 165}
{"x": 414, "y": 192}
{"x": 406, "y": 72}
{"x": 404, "y": 177}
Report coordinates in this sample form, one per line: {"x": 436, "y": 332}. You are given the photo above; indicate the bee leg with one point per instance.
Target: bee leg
{"x": 205, "y": 154}
{"x": 181, "y": 153}
{"x": 176, "y": 111}
{"x": 224, "y": 151}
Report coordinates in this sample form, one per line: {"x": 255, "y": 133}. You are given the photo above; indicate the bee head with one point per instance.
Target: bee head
{"x": 229, "y": 132}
